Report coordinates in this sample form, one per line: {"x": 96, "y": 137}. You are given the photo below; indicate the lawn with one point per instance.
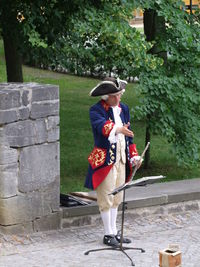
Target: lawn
{"x": 76, "y": 139}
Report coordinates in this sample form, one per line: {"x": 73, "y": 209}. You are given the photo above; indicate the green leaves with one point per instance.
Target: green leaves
{"x": 35, "y": 40}
{"x": 171, "y": 92}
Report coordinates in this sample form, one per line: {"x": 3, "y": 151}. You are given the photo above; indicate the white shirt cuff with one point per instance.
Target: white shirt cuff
{"x": 113, "y": 137}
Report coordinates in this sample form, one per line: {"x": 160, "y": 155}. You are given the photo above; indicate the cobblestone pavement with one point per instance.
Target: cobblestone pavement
{"x": 66, "y": 247}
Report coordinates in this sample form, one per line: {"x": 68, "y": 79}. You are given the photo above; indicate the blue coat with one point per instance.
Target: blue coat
{"x": 103, "y": 156}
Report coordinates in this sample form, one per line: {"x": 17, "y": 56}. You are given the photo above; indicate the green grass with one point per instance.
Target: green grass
{"x": 76, "y": 139}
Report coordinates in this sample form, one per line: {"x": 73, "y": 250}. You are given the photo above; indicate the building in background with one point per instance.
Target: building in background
{"x": 190, "y": 4}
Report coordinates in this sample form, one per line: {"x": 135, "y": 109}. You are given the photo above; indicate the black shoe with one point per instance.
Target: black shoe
{"x": 110, "y": 240}
{"x": 125, "y": 239}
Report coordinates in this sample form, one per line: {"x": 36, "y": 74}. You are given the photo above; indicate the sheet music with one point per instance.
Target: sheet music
{"x": 140, "y": 181}
{"x": 147, "y": 179}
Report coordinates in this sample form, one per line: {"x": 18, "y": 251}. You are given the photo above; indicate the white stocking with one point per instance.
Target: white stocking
{"x": 113, "y": 212}
{"x": 106, "y": 218}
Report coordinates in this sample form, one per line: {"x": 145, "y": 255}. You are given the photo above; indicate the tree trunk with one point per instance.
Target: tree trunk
{"x": 149, "y": 24}
{"x": 13, "y": 58}
{"x": 154, "y": 26}
{"x": 149, "y": 31}
{"x": 147, "y": 154}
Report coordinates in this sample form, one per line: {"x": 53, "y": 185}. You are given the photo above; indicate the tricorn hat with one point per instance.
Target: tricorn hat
{"x": 108, "y": 86}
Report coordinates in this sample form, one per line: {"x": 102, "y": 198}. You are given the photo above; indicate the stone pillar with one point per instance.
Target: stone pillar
{"x": 29, "y": 157}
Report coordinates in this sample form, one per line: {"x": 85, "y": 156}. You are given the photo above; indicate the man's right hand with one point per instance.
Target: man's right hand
{"x": 124, "y": 130}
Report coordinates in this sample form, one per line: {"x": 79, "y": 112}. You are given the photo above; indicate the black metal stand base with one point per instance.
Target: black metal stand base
{"x": 120, "y": 247}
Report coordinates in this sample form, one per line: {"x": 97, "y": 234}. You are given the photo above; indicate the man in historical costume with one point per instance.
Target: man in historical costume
{"x": 111, "y": 161}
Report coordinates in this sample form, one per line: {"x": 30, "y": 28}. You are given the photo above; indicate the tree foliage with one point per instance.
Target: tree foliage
{"x": 28, "y": 26}
{"x": 96, "y": 39}
{"x": 171, "y": 93}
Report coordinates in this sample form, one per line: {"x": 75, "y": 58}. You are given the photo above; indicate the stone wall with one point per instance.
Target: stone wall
{"x": 29, "y": 158}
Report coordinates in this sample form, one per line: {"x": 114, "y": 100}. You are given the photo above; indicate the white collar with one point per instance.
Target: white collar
{"x": 116, "y": 109}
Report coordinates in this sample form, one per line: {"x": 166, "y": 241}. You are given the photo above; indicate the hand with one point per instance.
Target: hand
{"x": 124, "y": 130}
{"x": 137, "y": 161}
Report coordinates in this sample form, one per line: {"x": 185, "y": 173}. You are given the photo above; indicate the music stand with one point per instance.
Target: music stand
{"x": 139, "y": 182}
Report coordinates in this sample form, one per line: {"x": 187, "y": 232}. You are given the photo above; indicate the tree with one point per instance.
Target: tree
{"x": 96, "y": 39}
{"x": 11, "y": 40}
{"x": 171, "y": 93}
{"x": 38, "y": 23}
{"x": 80, "y": 36}
{"x": 154, "y": 28}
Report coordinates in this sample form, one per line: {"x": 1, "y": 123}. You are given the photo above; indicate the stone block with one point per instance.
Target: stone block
{"x": 12, "y": 167}
{"x": 80, "y": 210}
{"x": 8, "y": 116}
{"x": 23, "y": 113}
{"x": 180, "y": 197}
{"x": 25, "y": 228}
{"x": 51, "y": 196}
{"x": 9, "y": 99}
{"x": 15, "y": 210}
{"x": 45, "y": 92}
{"x": 22, "y": 208}
{"x": 146, "y": 202}
{"x": 76, "y": 221}
{"x": 44, "y": 109}
{"x": 175, "y": 209}
{"x": 8, "y": 184}
{"x": 4, "y": 86}
{"x": 40, "y": 130}
{"x": 192, "y": 206}
{"x": 3, "y": 140}
{"x": 39, "y": 166}
{"x": 25, "y": 133}
{"x": 159, "y": 210}
{"x": 52, "y": 124}
{"x": 25, "y": 97}
{"x": 50, "y": 222}
{"x": 53, "y": 135}
{"x": 8, "y": 155}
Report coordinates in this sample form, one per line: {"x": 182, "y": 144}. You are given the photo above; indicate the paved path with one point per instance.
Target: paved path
{"x": 65, "y": 248}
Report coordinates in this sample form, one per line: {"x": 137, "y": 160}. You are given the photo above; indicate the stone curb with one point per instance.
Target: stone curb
{"x": 175, "y": 197}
